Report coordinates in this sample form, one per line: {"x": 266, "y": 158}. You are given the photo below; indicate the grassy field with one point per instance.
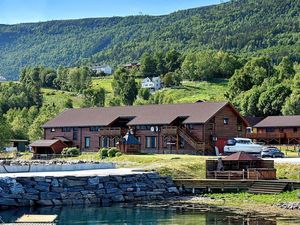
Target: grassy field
{"x": 59, "y": 98}
{"x": 177, "y": 166}
{"x": 191, "y": 91}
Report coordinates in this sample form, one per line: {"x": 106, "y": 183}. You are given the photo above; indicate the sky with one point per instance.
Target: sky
{"x": 22, "y": 11}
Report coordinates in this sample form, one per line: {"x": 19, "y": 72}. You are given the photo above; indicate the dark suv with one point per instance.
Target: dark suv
{"x": 272, "y": 152}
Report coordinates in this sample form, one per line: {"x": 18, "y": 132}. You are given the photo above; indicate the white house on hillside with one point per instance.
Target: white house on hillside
{"x": 105, "y": 69}
{"x": 152, "y": 84}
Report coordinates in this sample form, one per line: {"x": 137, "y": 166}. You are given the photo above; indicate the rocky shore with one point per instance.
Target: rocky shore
{"x": 71, "y": 190}
{"x": 45, "y": 162}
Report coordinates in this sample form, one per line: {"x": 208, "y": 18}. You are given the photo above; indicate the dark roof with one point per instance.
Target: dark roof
{"x": 241, "y": 156}
{"x": 280, "y": 121}
{"x": 142, "y": 115}
{"x": 130, "y": 139}
{"x": 44, "y": 143}
{"x": 63, "y": 139}
{"x": 253, "y": 120}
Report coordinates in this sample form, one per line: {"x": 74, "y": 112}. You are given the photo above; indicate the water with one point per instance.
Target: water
{"x": 129, "y": 214}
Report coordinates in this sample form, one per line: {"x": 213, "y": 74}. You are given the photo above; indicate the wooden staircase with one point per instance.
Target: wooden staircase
{"x": 267, "y": 187}
{"x": 192, "y": 140}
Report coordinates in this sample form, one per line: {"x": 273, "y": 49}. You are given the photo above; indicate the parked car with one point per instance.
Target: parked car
{"x": 242, "y": 145}
{"x": 272, "y": 152}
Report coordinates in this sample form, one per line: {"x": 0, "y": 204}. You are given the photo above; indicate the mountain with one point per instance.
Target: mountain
{"x": 246, "y": 27}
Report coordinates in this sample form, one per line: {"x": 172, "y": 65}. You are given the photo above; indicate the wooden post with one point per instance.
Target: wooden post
{"x": 177, "y": 142}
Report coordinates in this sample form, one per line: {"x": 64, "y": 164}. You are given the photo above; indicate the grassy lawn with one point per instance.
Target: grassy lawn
{"x": 258, "y": 203}
{"x": 59, "y": 98}
{"x": 192, "y": 91}
{"x": 177, "y": 166}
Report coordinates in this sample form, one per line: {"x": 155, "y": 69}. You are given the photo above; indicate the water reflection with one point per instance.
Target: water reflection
{"x": 124, "y": 214}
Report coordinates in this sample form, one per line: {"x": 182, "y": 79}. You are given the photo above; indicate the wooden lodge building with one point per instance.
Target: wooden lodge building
{"x": 277, "y": 130}
{"x": 194, "y": 128}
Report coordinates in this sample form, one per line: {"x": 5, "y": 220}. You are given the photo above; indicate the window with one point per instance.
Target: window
{"x": 52, "y": 129}
{"x": 66, "y": 129}
{"x": 143, "y": 127}
{"x": 94, "y": 129}
{"x": 270, "y": 129}
{"x": 151, "y": 142}
{"x": 226, "y": 121}
{"x": 138, "y": 138}
{"x": 239, "y": 124}
{"x": 190, "y": 126}
{"x": 75, "y": 134}
{"x": 87, "y": 142}
{"x": 105, "y": 142}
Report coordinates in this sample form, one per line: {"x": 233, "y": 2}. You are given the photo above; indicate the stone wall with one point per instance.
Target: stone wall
{"x": 52, "y": 166}
{"x": 71, "y": 190}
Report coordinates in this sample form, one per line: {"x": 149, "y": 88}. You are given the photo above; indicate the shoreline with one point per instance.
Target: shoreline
{"x": 242, "y": 207}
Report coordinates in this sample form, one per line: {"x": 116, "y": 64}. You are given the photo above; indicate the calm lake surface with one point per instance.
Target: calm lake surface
{"x": 128, "y": 214}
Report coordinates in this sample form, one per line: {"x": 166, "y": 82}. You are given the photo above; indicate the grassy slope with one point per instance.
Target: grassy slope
{"x": 191, "y": 91}
{"x": 60, "y": 97}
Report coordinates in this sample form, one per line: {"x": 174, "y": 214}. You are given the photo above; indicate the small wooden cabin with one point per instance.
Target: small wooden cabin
{"x": 240, "y": 165}
{"x": 48, "y": 147}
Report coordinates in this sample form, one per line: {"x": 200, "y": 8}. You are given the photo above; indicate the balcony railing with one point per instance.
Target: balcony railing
{"x": 169, "y": 130}
{"x": 111, "y": 131}
{"x": 265, "y": 135}
{"x": 290, "y": 135}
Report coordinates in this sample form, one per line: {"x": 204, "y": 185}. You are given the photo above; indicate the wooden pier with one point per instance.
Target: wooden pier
{"x": 226, "y": 185}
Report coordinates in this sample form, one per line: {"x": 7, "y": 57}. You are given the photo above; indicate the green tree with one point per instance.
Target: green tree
{"x": 172, "y": 60}
{"x": 46, "y": 113}
{"x": 272, "y": 100}
{"x": 68, "y": 103}
{"x": 129, "y": 91}
{"x": 94, "y": 97}
{"x": 286, "y": 69}
{"x": 292, "y": 105}
{"x": 20, "y": 121}
{"x": 148, "y": 65}
{"x": 144, "y": 93}
{"x": 5, "y": 132}
{"x": 115, "y": 101}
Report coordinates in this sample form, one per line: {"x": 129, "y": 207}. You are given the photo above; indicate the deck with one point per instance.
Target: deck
{"x": 229, "y": 185}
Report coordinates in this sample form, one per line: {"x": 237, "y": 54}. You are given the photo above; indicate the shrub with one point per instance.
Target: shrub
{"x": 118, "y": 154}
{"x": 112, "y": 152}
{"x": 103, "y": 152}
{"x": 70, "y": 152}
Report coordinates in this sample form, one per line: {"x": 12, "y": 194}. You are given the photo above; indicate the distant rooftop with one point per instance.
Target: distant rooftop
{"x": 280, "y": 121}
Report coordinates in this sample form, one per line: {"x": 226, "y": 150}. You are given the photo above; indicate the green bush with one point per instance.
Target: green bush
{"x": 103, "y": 152}
{"x": 112, "y": 152}
{"x": 118, "y": 154}
{"x": 70, "y": 152}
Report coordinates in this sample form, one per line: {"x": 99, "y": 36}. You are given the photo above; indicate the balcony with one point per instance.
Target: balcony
{"x": 292, "y": 135}
{"x": 266, "y": 135}
{"x": 111, "y": 131}
{"x": 169, "y": 130}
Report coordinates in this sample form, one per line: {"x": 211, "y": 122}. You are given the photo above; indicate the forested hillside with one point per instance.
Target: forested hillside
{"x": 246, "y": 27}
